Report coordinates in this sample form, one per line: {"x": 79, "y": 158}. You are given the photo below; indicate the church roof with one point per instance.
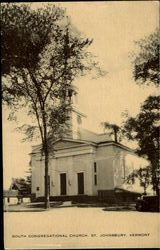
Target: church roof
{"x": 91, "y": 136}
{"x": 86, "y": 138}
{"x": 65, "y": 143}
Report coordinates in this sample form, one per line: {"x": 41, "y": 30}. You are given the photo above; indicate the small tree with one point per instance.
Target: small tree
{"x": 22, "y": 186}
{"x": 42, "y": 54}
{"x": 114, "y": 129}
{"x": 143, "y": 175}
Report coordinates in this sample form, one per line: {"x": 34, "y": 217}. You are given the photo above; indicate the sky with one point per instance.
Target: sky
{"x": 113, "y": 26}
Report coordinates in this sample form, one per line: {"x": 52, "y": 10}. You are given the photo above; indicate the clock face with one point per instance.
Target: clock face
{"x": 79, "y": 120}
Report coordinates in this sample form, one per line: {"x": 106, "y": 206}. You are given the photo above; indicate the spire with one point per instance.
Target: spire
{"x": 70, "y": 93}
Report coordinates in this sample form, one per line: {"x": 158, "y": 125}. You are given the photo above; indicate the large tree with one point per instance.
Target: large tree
{"x": 146, "y": 60}
{"x": 42, "y": 54}
{"x": 144, "y": 128}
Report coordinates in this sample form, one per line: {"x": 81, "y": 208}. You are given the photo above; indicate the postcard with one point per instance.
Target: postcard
{"x": 80, "y": 124}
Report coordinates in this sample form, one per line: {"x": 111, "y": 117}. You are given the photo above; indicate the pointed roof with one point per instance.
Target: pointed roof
{"x": 63, "y": 143}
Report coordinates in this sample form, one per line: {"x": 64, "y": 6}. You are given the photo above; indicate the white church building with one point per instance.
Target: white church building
{"x": 85, "y": 164}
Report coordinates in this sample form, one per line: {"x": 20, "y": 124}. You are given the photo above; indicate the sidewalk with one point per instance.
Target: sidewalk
{"x": 39, "y": 206}
{"x": 21, "y": 208}
{"x": 36, "y": 207}
{"x": 111, "y": 207}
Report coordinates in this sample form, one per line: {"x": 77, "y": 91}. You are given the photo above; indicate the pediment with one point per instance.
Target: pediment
{"x": 62, "y": 144}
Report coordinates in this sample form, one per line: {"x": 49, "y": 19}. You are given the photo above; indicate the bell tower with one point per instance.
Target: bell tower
{"x": 76, "y": 117}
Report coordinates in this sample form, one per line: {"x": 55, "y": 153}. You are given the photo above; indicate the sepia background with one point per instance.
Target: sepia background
{"x": 114, "y": 26}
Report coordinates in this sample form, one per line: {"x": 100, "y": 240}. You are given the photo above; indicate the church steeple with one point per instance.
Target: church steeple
{"x": 76, "y": 117}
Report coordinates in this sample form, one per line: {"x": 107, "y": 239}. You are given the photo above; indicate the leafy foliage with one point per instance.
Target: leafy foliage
{"x": 144, "y": 128}
{"x": 143, "y": 175}
{"x": 146, "y": 61}
{"x": 25, "y": 33}
{"x": 114, "y": 130}
{"x": 22, "y": 185}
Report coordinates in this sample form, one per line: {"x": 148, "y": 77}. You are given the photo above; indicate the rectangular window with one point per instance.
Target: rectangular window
{"x": 95, "y": 179}
{"x": 95, "y": 167}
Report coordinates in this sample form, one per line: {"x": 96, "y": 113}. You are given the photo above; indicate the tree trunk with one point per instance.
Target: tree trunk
{"x": 46, "y": 157}
{"x": 47, "y": 203}
{"x": 155, "y": 179}
{"x": 145, "y": 189}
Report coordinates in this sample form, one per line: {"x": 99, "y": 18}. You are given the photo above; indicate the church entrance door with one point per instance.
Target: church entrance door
{"x": 63, "y": 188}
{"x": 80, "y": 177}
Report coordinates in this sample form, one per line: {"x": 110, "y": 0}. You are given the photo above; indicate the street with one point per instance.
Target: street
{"x": 75, "y": 227}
